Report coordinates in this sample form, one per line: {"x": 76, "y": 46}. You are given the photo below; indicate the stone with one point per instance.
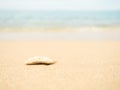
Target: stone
{"x": 40, "y": 60}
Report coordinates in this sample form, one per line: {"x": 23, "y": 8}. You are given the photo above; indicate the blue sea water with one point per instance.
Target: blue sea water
{"x": 26, "y": 19}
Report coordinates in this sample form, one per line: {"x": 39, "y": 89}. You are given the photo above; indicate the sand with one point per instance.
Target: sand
{"x": 82, "y": 65}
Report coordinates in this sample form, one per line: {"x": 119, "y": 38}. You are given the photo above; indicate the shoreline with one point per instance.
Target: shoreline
{"x": 59, "y": 35}
{"x": 91, "y": 28}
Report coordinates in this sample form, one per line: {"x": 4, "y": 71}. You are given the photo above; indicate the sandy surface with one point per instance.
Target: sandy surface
{"x": 82, "y": 65}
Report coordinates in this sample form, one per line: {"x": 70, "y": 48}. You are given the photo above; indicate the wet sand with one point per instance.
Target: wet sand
{"x": 60, "y": 35}
{"x": 82, "y": 65}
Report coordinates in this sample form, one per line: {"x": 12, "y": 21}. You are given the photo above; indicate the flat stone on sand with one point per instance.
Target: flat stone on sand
{"x": 40, "y": 60}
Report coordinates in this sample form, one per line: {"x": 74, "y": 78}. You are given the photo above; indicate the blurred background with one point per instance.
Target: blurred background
{"x": 51, "y": 16}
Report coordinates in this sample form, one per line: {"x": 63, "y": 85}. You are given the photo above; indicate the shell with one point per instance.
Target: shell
{"x": 40, "y": 60}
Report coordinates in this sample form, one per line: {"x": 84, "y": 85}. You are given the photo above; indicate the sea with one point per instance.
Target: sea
{"x": 57, "y": 19}
{"x": 12, "y": 22}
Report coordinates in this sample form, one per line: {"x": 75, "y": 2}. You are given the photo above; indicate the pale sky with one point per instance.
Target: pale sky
{"x": 60, "y": 4}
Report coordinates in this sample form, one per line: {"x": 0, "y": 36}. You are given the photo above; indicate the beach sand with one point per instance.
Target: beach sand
{"x": 82, "y": 65}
